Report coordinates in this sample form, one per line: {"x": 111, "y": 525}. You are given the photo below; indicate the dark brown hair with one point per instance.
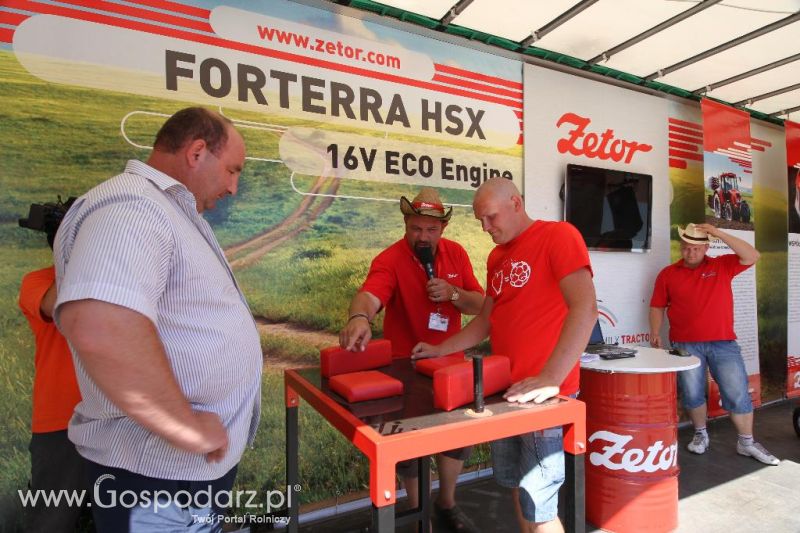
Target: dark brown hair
{"x": 190, "y": 124}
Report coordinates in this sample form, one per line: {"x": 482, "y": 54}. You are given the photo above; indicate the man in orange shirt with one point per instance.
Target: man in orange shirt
{"x": 55, "y": 464}
{"x": 539, "y": 310}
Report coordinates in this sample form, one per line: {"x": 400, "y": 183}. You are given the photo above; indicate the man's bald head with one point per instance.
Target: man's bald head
{"x": 499, "y": 206}
{"x": 498, "y": 188}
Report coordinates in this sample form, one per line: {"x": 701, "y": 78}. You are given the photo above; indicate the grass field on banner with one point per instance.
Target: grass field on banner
{"x": 59, "y": 139}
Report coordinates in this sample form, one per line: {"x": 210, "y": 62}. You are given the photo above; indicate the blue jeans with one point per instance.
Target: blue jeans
{"x": 724, "y": 360}
{"x": 125, "y": 502}
{"x": 534, "y": 462}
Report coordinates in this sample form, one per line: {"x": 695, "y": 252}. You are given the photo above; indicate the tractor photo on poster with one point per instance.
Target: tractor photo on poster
{"x": 726, "y": 199}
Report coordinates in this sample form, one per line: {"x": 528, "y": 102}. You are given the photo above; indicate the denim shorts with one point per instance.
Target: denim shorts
{"x": 724, "y": 360}
{"x": 534, "y": 462}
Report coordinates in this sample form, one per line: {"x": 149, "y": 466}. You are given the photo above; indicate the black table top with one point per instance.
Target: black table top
{"x": 414, "y": 409}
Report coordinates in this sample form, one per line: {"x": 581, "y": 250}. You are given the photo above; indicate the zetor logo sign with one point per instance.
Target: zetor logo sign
{"x": 615, "y": 456}
{"x": 603, "y": 146}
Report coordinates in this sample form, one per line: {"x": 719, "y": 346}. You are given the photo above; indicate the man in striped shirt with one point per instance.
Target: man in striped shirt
{"x": 166, "y": 352}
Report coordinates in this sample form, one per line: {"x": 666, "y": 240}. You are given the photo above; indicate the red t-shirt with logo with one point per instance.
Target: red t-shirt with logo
{"x": 699, "y": 301}
{"x": 398, "y": 279}
{"x": 55, "y": 389}
{"x": 529, "y": 310}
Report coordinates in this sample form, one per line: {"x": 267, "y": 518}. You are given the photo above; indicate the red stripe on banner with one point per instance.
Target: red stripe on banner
{"x": 519, "y": 140}
{"x": 686, "y": 155}
{"x": 6, "y": 35}
{"x": 676, "y": 129}
{"x": 792, "y": 142}
{"x": 477, "y": 76}
{"x": 677, "y": 163}
{"x": 477, "y": 86}
{"x": 742, "y": 162}
{"x": 761, "y": 142}
{"x": 252, "y": 49}
{"x": 758, "y": 148}
{"x": 146, "y": 14}
{"x": 12, "y": 19}
{"x": 174, "y": 6}
{"x": 690, "y": 125}
{"x": 683, "y": 146}
{"x": 685, "y": 138}
{"x": 747, "y": 171}
{"x": 723, "y": 125}
{"x": 519, "y": 114}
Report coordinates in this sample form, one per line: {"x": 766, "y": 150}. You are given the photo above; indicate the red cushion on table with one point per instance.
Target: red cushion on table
{"x": 335, "y": 360}
{"x": 428, "y": 366}
{"x": 453, "y": 385}
{"x": 366, "y": 385}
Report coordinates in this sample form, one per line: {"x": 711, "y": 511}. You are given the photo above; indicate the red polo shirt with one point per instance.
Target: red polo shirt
{"x": 397, "y": 279}
{"x": 699, "y": 301}
{"x": 528, "y": 309}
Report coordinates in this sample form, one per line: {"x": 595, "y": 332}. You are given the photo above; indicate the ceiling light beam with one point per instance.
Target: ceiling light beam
{"x": 556, "y": 22}
{"x": 785, "y": 111}
{"x": 455, "y": 11}
{"x": 744, "y": 75}
{"x": 776, "y": 92}
{"x": 605, "y": 56}
{"x": 725, "y": 46}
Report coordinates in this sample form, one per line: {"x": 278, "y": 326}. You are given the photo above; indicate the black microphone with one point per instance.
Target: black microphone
{"x": 425, "y": 256}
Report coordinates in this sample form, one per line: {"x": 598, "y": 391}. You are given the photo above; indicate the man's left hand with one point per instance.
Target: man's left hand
{"x": 439, "y": 290}
{"x": 535, "y": 388}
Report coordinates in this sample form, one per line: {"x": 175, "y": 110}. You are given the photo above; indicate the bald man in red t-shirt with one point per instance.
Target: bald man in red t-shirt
{"x": 539, "y": 310}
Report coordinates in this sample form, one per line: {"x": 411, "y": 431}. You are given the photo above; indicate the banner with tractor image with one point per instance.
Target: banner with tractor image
{"x": 793, "y": 266}
{"x": 728, "y": 179}
{"x": 341, "y": 117}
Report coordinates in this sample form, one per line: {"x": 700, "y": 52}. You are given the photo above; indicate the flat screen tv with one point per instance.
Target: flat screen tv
{"x": 611, "y": 208}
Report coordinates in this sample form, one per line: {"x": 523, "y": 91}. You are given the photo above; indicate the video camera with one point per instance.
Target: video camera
{"x": 47, "y": 217}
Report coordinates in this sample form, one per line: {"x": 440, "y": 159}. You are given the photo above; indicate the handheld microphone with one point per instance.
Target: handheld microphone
{"x": 425, "y": 256}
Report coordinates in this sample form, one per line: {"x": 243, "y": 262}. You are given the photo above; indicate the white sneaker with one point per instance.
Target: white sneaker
{"x": 757, "y": 451}
{"x": 699, "y": 443}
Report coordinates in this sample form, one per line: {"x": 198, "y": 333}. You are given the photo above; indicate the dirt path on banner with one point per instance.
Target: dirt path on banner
{"x": 312, "y": 337}
{"x": 310, "y": 208}
{"x": 729, "y": 224}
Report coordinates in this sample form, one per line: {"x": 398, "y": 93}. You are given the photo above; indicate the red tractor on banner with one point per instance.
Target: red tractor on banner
{"x": 725, "y": 200}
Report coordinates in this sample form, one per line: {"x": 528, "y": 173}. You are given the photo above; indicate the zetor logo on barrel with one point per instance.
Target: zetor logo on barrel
{"x": 603, "y": 146}
{"x": 616, "y": 456}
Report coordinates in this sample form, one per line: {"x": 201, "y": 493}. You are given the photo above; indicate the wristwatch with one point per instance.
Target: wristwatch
{"x": 455, "y": 295}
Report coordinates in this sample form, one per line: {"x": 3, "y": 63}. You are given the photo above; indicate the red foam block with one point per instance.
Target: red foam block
{"x": 335, "y": 360}
{"x": 366, "y": 385}
{"x": 453, "y": 385}
{"x": 428, "y": 366}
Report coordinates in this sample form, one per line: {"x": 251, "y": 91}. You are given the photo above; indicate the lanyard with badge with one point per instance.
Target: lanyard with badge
{"x": 437, "y": 321}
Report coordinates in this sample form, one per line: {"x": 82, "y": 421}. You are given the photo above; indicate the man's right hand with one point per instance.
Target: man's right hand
{"x": 655, "y": 340}
{"x": 209, "y": 437}
{"x": 356, "y": 334}
{"x": 423, "y": 350}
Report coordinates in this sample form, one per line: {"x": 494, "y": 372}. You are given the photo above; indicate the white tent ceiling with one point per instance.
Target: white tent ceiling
{"x": 743, "y": 52}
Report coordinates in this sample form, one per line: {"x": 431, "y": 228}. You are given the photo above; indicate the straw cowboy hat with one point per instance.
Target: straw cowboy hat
{"x": 426, "y": 203}
{"x": 693, "y": 235}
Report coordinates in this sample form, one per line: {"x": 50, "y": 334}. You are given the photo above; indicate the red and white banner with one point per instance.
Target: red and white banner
{"x": 571, "y": 120}
{"x": 728, "y": 172}
{"x": 793, "y": 296}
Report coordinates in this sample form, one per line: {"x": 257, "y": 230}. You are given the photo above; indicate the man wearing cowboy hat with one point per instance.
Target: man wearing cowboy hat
{"x": 420, "y": 305}
{"x": 696, "y": 292}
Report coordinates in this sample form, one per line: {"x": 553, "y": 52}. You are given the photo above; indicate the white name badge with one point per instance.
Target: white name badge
{"x": 438, "y": 322}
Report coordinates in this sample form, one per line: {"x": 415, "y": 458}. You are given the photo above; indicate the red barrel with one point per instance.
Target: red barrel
{"x": 632, "y": 454}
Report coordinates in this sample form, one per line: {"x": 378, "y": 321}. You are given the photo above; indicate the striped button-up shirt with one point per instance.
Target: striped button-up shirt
{"x": 138, "y": 241}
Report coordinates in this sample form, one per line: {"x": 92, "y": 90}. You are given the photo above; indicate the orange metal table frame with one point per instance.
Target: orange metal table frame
{"x": 419, "y": 430}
